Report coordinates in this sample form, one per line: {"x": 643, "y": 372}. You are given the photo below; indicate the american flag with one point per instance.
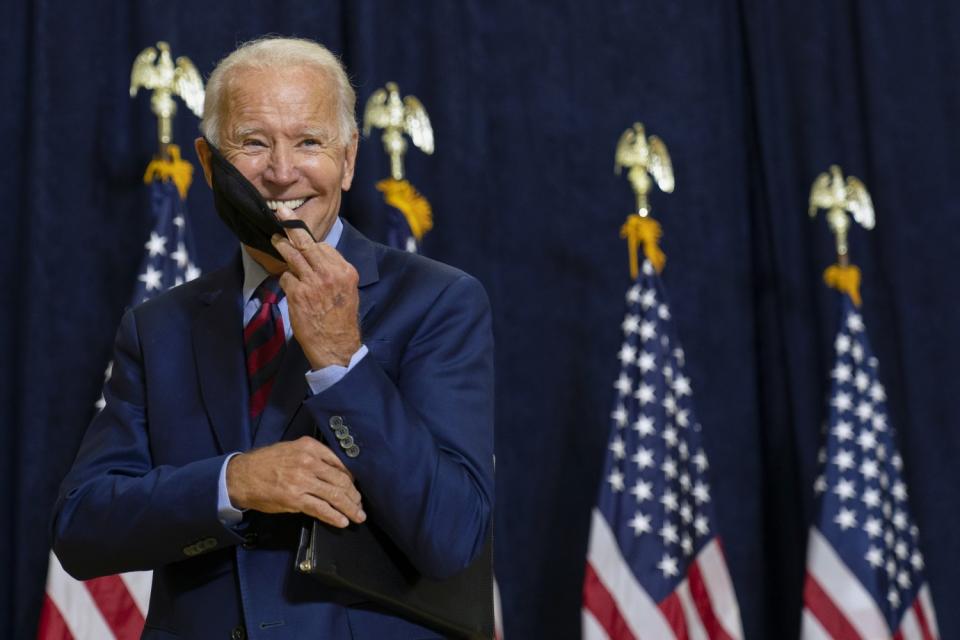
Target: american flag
{"x": 864, "y": 566}
{"x": 655, "y": 564}
{"x": 116, "y": 606}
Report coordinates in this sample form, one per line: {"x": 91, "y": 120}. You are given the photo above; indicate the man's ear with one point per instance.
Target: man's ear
{"x": 204, "y": 153}
{"x": 349, "y": 161}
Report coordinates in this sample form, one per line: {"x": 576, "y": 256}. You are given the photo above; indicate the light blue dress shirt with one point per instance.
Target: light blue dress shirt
{"x": 319, "y": 380}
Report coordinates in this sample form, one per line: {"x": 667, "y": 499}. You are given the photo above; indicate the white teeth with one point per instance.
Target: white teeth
{"x": 290, "y": 204}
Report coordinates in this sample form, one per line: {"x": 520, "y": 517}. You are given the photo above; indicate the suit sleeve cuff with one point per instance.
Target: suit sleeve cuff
{"x": 322, "y": 379}
{"x": 228, "y": 514}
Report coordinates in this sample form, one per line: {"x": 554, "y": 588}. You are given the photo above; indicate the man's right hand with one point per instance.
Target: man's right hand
{"x": 302, "y": 476}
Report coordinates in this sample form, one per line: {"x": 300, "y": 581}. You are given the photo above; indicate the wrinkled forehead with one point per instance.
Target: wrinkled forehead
{"x": 299, "y": 97}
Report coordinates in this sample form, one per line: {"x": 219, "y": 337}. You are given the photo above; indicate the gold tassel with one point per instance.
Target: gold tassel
{"x": 414, "y": 207}
{"x": 638, "y": 229}
{"x": 845, "y": 279}
{"x": 173, "y": 168}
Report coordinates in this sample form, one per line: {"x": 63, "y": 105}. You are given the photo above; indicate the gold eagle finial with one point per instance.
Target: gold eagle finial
{"x": 158, "y": 74}
{"x": 385, "y": 110}
{"x": 838, "y": 196}
{"x": 643, "y": 157}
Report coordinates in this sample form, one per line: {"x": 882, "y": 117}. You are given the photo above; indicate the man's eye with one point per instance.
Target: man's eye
{"x": 251, "y": 142}
{"x": 310, "y": 142}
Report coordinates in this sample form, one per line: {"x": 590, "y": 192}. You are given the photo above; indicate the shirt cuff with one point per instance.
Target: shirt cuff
{"x": 226, "y": 512}
{"x": 322, "y": 379}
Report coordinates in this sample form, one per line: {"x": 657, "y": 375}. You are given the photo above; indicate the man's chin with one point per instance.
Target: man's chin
{"x": 271, "y": 264}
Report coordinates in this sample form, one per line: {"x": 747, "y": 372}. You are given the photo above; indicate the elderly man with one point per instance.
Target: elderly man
{"x": 203, "y": 465}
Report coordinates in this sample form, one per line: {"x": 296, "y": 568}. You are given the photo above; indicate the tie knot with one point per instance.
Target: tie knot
{"x": 269, "y": 291}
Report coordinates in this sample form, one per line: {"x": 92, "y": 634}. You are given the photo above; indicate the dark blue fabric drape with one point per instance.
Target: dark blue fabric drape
{"x": 527, "y": 100}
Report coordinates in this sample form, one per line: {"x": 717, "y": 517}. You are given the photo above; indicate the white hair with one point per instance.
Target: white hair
{"x": 273, "y": 52}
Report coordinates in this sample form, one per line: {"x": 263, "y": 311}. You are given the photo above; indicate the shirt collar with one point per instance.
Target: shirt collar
{"x": 254, "y": 274}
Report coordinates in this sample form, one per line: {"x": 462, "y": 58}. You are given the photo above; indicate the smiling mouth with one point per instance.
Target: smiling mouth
{"x": 293, "y": 205}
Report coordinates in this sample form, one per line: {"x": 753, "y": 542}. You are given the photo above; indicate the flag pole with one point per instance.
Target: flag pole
{"x": 399, "y": 117}
{"x": 644, "y": 158}
{"x": 843, "y": 199}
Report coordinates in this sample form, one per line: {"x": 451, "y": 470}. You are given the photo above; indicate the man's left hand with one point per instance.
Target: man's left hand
{"x": 321, "y": 290}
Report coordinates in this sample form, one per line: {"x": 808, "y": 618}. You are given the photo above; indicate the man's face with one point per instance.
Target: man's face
{"x": 280, "y": 129}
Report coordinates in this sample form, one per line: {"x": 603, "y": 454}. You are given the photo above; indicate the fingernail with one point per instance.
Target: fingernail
{"x": 344, "y": 522}
{"x": 275, "y": 238}
{"x": 361, "y": 516}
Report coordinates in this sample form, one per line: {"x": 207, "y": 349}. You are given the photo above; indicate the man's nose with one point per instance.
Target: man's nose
{"x": 283, "y": 167}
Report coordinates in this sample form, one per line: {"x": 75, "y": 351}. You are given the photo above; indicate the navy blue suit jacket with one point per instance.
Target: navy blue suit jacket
{"x": 142, "y": 493}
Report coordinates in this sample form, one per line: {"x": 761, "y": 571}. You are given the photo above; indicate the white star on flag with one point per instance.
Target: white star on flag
{"x": 640, "y": 523}
{"x": 156, "y": 245}
{"x": 644, "y": 425}
{"x": 180, "y": 256}
{"x": 668, "y": 565}
{"x": 151, "y": 278}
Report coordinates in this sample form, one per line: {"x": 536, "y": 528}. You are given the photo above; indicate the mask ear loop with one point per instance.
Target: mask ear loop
{"x": 297, "y": 223}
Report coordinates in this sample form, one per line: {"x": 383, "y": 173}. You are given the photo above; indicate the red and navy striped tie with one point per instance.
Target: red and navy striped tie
{"x": 265, "y": 342}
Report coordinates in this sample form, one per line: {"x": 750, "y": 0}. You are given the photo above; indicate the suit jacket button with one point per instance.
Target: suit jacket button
{"x": 352, "y": 451}
{"x": 336, "y": 422}
{"x": 238, "y": 633}
{"x": 341, "y": 432}
{"x": 346, "y": 442}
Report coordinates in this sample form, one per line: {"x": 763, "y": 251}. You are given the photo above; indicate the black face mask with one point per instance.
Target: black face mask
{"x": 243, "y": 209}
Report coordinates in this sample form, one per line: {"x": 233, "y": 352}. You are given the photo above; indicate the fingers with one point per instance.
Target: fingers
{"x": 346, "y": 502}
{"x": 315, "y": 258}
{"x": 303, "y": 476}
{"x": 333, "y": 500}
{"x": 300, "y": 238}
{"x": 295, "y": 259}
{"x": 319, "y": 256}
{"x": 322, "y": 511}
{"x": 325, "y": 453}
{"x": 295, "y": 246}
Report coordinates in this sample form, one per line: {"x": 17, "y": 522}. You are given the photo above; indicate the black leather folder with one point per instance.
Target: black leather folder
{"x": 364, "y": 560}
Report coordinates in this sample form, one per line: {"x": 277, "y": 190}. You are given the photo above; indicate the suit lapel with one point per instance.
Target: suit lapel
{"x": 291, "y": 386}
{"x": 220, "y": 359}
{"x": 362, "y": 254}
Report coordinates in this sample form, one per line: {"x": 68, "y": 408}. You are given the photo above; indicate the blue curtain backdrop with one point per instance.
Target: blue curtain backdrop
{"x": 527, "y": 99}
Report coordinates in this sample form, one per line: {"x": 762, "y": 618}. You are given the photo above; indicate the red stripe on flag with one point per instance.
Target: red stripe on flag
{"x": 921, "y": 614}
{"x": 701, "y": 599}
{"x": 672, "y": 610}
{"x": 117, "y": 606}
{"x": 826, "y": 612}
{"x": 598, "y": 600}
{"x": 52, "y": 625}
